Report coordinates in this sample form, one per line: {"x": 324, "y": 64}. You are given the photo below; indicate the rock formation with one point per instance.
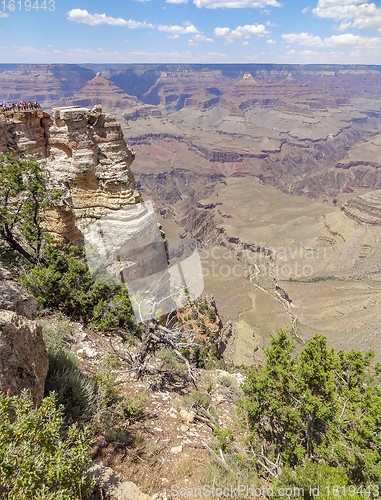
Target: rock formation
{"x": 43, "y": 81}
{"x": 103, "y": 92}
{"x": 85, "y": 156}
{"x": 92, "y": 162}
{"x": 365, "y": 208}
{"x": 23, "y": 358}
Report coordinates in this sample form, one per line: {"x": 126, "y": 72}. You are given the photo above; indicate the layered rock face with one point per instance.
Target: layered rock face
{"x": 42, "y": 81}
{"x": 24, "y": 130}
{"x": 86, "y": 158}
{"x": 23, "y": 358}
{"x": 103, "y": 92}
{"x": 87, "y": 155}
{"x": 365, "y": 208}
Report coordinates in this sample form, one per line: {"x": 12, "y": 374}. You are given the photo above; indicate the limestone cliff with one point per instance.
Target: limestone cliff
{"x": 85, "y": 156}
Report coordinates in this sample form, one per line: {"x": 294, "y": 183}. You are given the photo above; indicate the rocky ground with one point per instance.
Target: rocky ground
{"x": 166, "y": 447}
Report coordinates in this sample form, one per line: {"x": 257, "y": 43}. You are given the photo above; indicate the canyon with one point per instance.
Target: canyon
{"x": 271, "y": 164}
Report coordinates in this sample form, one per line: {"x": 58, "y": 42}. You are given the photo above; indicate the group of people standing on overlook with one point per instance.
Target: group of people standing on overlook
{"x": 19, "y": 106}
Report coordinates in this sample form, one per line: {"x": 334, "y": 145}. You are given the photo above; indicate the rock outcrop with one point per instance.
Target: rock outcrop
{"x": 112, "y": 486}
{"x": 104, "y": 92}
{"x": 23, "y": 358}
{"x": 85, "y": 156}
{"x": 365, "y": 208}
{"x": 87, "y": 159}
{"x": 92, "y": 162}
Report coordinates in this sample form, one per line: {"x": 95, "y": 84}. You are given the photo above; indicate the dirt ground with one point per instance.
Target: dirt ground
{"x": 163, "y": 449}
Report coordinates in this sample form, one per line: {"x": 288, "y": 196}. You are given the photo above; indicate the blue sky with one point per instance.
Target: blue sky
{"x": 198, "y": 31}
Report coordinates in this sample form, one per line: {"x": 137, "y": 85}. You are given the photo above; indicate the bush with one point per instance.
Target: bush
{"x": 171, "y": 361}
{"x": 63, "y": 282}
{"x": 39, "y": 458}
{"x": 197, "y": 398}
{"x": 317, "y": 481}
{"x": 75, "y": 391}
{"x": 320, "y": 405}
{"x": 229, "y": 383}
{"x": 212, "y": 315}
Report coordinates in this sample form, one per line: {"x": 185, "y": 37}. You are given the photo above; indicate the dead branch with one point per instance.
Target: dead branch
{"x": 219, "y": 460}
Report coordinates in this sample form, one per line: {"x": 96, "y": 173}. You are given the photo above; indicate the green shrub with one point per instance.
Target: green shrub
{"x": 105, "y": 377}
{"x": 75, "y": 391}
{"x": 114, "y": 413}
{"x": 208, "y": 384}
{"x": 39, "y": 457}
{"x": 171, "y": 361}
{"x": 319, "y": 481}
{"x": 230, "y": 383}
{"x": 319, "y": 404}
{"x": 197, "y": 398}
{"x": 63, "y": 282}
{"x": 212, "y": 315}
{"x": 224, "y": 436}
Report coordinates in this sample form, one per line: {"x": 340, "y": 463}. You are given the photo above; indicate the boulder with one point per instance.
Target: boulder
{"x": 113, "y": 487}
{"x": 24, "y": 361}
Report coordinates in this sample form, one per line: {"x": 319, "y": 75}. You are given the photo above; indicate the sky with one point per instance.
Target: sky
{"x": 190, "y": 31}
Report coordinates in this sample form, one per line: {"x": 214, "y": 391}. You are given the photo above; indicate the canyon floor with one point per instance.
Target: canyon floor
{"x": 290, "y": 262}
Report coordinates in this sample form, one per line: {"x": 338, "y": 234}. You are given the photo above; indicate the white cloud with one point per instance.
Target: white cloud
{"x": 220, "y": 32}
{"x": 346, "y": 40}
{"x": 308, "y": 54}
{"x": 349, "y": 40}
{"x": 236, "y": 4}
{"x": 272, "y": 42}
{"x": 82, "y": 16}
{"x": 245, "y": 43}
{"x": 202, "y": 38}
{"x": 305, "y": 10}
{"x": 27, "y": 50}
{"x": 302, "y": 39}
{"x": 290, "y": 52}
{"x": 364, "y": 16}
{"x": 187, "y": 29}
{"x": 176, "y": 1}
{"x": 241, "y": 31}
{"x": 3, "y": 14}
{"x": 174, "y": 37}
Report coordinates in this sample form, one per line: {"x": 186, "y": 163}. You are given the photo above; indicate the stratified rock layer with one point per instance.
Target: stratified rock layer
{"x": 42, "y": 81}
{"x": 365, "y": 208}
{"x": 85, "y": 156}
{"x": 104, "y": 92}
{"x": 92, "y": 162}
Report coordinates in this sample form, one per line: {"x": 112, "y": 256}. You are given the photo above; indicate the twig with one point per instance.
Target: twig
{"x": 221, "y": 462}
